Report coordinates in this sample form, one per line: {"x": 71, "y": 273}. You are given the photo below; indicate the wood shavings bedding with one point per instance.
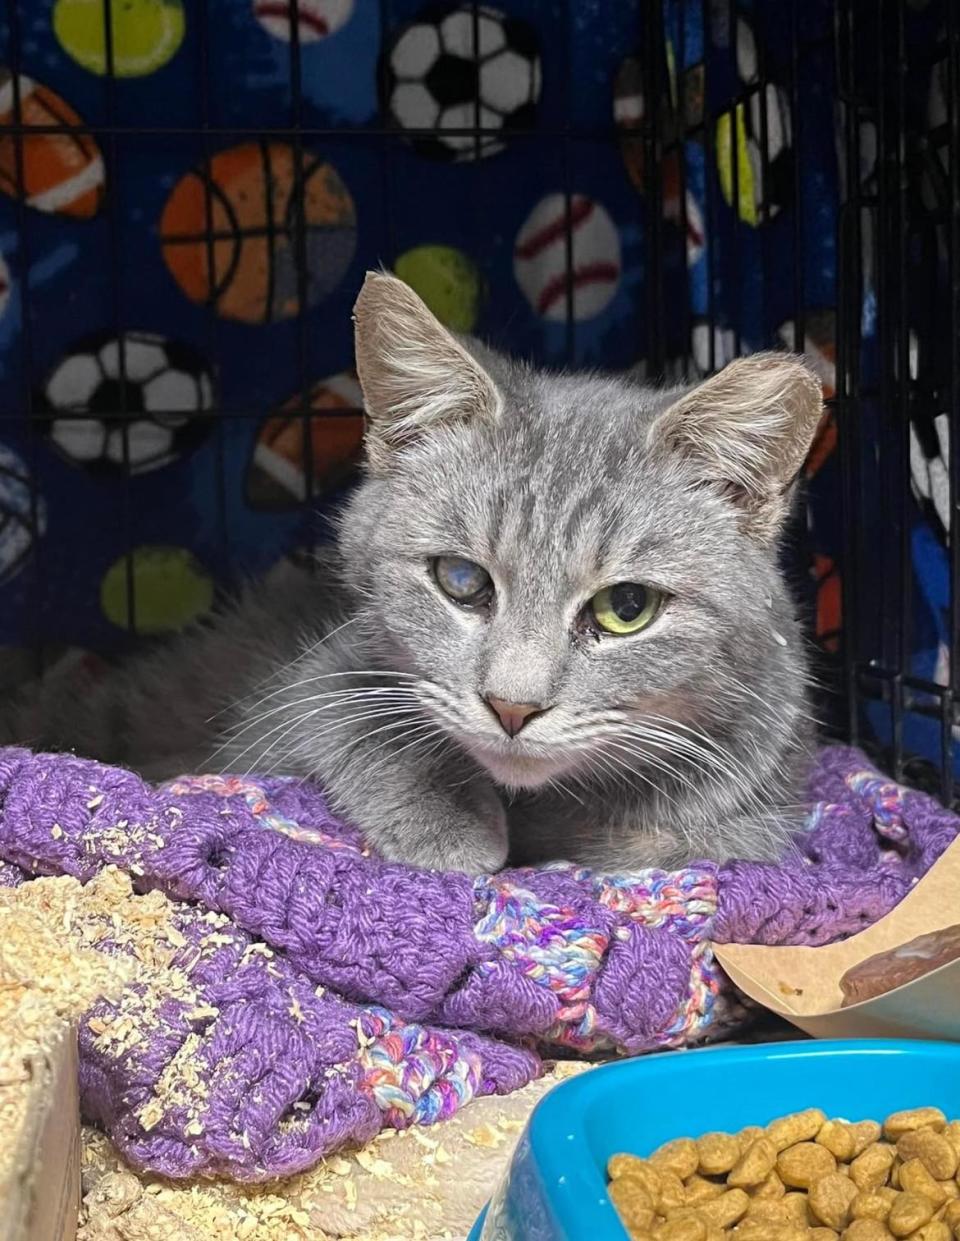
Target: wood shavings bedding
{"x": 47, "y": 979}
{"x": 416, "y": 1185}
{"x": 421, "y": 1183}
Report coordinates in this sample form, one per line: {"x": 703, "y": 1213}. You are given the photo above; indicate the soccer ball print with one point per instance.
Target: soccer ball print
{"x": 470, "y": 77}
{"x": 135, "y": 402}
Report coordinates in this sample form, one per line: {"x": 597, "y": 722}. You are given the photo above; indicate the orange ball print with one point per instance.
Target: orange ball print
{"x": 61, "y": 173}
{"x": 235, "y": 235}
{"x": 300, "y": 453}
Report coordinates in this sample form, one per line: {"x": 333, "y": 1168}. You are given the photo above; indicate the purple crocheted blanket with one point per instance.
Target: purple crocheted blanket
{"x": 391, "y": 996}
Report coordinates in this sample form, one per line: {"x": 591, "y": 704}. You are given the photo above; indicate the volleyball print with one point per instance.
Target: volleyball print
{"x": 258, "y": 230}
{"x": 22, "y": 518}
{"x": 557, "y": 278}
{"x": 61, "y": 173}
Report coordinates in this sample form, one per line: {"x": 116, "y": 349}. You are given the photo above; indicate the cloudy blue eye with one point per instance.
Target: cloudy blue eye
{"x": 462, "y": 580}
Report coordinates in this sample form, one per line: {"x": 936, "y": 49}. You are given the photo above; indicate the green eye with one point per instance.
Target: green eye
{"x": 462, "y": 580}
{"x": 626, "y": 607}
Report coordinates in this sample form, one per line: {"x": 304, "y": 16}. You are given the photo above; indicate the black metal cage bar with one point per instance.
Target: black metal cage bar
{"x": 896, "y": 347}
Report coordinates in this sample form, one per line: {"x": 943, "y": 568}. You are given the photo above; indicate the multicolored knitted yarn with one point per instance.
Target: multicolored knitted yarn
{"x": 393, "y": 995}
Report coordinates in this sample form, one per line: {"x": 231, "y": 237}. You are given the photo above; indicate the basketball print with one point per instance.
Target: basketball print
{"x": 298, "y": 455}
{"x": 829, "y": 602}
{"x": 21, "y": 520}
{"x": 62, "y": 173}
{"x": 314, "y": 19}
{"x": 235, "y": 230}
{"x": 580, "y": 278}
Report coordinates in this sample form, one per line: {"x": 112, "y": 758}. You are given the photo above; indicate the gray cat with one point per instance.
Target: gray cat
{"x": 554, "y": 625}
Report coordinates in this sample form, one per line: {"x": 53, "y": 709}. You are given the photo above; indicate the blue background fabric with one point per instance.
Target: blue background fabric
{"x": 67, "y": 529}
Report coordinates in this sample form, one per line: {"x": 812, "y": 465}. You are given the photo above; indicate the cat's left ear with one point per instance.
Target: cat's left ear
{"x": 414, "y": 374}
{"x": 747, "y": 431}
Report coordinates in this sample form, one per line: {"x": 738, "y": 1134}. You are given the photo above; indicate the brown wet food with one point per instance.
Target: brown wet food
{"x": 891, "y": 969}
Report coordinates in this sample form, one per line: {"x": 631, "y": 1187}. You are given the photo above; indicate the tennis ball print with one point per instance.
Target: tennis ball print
{"x": 447, "y": 280}
{"x": 144, "y": 34}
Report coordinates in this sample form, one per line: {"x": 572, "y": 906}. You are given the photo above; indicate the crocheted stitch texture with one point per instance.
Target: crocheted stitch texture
{"x": 443, "y": 983}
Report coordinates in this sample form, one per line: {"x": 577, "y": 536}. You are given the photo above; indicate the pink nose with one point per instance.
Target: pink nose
{"x": 512, "y": 715}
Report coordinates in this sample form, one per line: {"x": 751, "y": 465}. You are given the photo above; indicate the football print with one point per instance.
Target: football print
{"x": 135, "y": 402}
{"x": 470, "y": 77}
{"x": 59, "y": 168}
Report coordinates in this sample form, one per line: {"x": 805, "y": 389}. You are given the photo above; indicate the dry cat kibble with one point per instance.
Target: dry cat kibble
{"x": 803, "y": 1177}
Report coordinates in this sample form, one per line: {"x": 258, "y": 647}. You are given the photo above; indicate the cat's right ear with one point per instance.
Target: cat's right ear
{"x": 414, "y": 374}
{"x": 745, "y": 432}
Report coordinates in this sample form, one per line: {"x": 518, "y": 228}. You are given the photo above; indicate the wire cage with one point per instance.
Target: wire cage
{"x": 191, "y": 190}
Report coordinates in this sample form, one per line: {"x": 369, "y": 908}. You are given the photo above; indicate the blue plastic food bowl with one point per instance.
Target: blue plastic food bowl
{"x": 555, "y": 1185}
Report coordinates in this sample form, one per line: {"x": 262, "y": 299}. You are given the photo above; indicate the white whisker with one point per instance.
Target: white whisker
{"x": 314, "y": 735}
{"x": 337, "y": 697}
{"x": 278, "y": 672}
{"x": 311, "y": 738}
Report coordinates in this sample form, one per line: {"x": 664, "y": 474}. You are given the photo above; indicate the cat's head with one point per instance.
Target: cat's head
{"x": 581, "y": 571}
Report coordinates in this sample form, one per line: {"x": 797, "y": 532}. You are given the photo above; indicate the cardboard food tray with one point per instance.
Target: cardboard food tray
{"x": 803, "y": 984}
{"x": 40, "y": 1200}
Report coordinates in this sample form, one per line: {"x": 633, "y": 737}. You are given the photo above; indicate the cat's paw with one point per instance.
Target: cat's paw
{"x": 468, "y": 834}
{"x": 474, "y": 855}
